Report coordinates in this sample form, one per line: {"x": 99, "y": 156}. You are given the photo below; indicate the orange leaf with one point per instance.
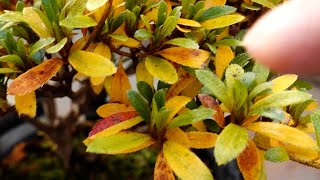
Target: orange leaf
{"x": 192, "y": 90}
{"x": 200, "y": 126}
{"x": 224, "y": 56}
{"x": 209, "y": 102}
{"x": 211, "y": 3}
{"x": 35, "y": 77}
{"x": 16, "y": 155}
{"x": 185, "y": 56}
{"x": 201, "y": 140}
{"x": 185, "y": 79}
{"x": 249, "y": 162}
{"x": 112, "y": 120}
{"x": 120, "y": 86}
{"x": 162, "y": 171}
{"x": 113, "y": 108}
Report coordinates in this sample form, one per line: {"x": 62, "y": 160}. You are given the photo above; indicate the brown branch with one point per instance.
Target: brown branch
{"x": 41, "y": 126}
{"x": 292, "y": 157}
{"x": 98, "y": 28}
{"x": 118, "y": 51}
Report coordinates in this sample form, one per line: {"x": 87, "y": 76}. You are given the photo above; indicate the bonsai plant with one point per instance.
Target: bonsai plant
{"x": 195, "y": 86}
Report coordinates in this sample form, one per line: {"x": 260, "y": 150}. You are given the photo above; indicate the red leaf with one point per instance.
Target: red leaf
{"x": 112, "y": 120}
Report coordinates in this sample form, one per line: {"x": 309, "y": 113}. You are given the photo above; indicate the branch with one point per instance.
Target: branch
{"x": 43, "y": 127}
{"x": 118, "y": 51}
{"x": 315, "y": 163}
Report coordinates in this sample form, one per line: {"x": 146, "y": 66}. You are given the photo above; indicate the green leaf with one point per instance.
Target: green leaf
{"x": 160, "y": 117}
{"x": 162, "y": 13}
{"x": 117, "y": 21}
{"x": 212, "y": 48}
{"x": 12, "y": 16}
{"x": 276, "y": 154}
{"x": 78, "y": 22}
{"x": 161, "y": 69}
{"x": 297, "y": 109}
{"x": 184, "y": 163}
{"x": 216, "y": 87}
{"x": 315, "y": 118}
{"x": 241, "y": 59}
{"x": 56, "y": 48}
{"x": 191, "y": 116}
{"x": 234, "y": 71}
{"x": 247, "y": 6}
{"x": 228, "y": 42}
{"x": 240, "y": 94}
{"x": 248, "y": 79}
{"x": 119, "y": 37}
{"x": 21, "y": 32}
{"x": 216, "y": 11}
{"x": 21, "y": 51}
{"x": 95, "y": 4}
{"x": 122, "y": 142}
{"x": 265, "y": 3}
{"x": 230, "y": 143}
{"x": 142, "y": 34}
{"x": 14, "y": 59}
{"x": 300, "y": 84}
{"x": 176, "y": 11}
{"x": 73, "y": 8}
{"x": 52, "y": 10}
{"x": 273, "y": 113}
{"x": 159, "y": 98}
{"x": 130, "y": 20}
{"x": 259, "y": 88}
{"x": 140, "y": 105}
{"x": 37, "y": 21}
{"x": 281, "y": 99}
{"x": 43, "y": 42}
{"x": 91, "y": 64}
{"x": 222, "y": 21}
{"x": 145, "y": 90}
{"x": 19, "y": 6}
{"x": 10, "y": 43}
{"x": 262, "y": 73}
{"x": 183, "y": 42}
{"x": 168, "y": 26}
{"x": 8, "y": 70}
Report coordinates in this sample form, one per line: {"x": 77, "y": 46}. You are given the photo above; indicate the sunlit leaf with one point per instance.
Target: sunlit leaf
{"x": 161, "y": 69}
{"x": 249, "y": 162}
{"x": 175, "y": 104}
{"x": 91, "y": 64}
{"x": 95, "y": 4}
{"x": 122, "y": 142}
{"x": 230, "y": 143}
{"x": 281, "y": 99}
{"x": 222, "y": 21}
{"x": 265, "y": 3}
{"x": 191, "y": 117}
{"x": 113, "y": 108}
{"x": 276, "y": 154}
{"x": 201, "y": 140}
{"x": 185, "y": 56}
{"x": 183, "y": 42}
{"x": 216, "y": 87}
{"x": 43, "y": 42}
{"x": 142, "y": 73}
{"x": 210, "y": 3}
{"x": 130, "y": 42}
{"x": 178, "y": 136}
{"x": 184, "y": 80}
{"x": 283, "y": 82}
{"x": 284, "y": 134}
{"x": 168, "y": 26}
{"x": 31, "y": 17}
{"x": 12, "y": 16}
{"x": 224, "y": 56}
{"x": 57, "y": 47}
{"x": 209, "y": 102}
{"x": 216, "y": 11}
{"x": 26, "y": 104}
{"x": 162, "y": 170}
{"x": 315, "y": 119}
{"x": 35, "y": 77}
{"x": 259, "y": 88}
{"x": 140, "y": 104}
{"x": 120, "y": 85}
{"x": 184, "y": 163}
{"x": 261, "y": 72}
{"x": 78, "y": 22}
{"x": 188, "y": 22}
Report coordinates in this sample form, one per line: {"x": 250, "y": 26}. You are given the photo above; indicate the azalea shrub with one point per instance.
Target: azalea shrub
{"x": 192, "y": 84}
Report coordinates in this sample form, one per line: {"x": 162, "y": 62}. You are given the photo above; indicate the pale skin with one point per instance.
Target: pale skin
{"x": 287, "y": 39}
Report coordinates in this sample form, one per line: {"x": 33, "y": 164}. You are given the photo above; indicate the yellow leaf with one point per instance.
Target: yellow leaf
{"x": 152, "y": 15}
{"x": 192, "y": 90}
{"x": 96, "y": 80}
{"x": 120, "y": 85}
{"x": 169, "y": 6}
{"x": 142, "y": 73}
{"x": 103, "y": 50}
{"x": 222, "y": 21}
{"x": 201, "y": 140}
{"x": 113, "y": 108}
{"x": 98, "y": 13}
{"x": 250, "y": 119}
{"x": 27, "y": 104}
{"x": 312, "y": 106}
{"x": 114, "y": 129}
{"x": 188, "y": 22}
{"x": 194, "y": 58}
{"x": 79, "y": 44}
{"x": 285, "y": 134}
{"x": 224, "y": 56}
{"x": 185, "y": 79}
{"x": 107, "y": 84}
{"x": 211, "y": 3}
{"x": 161, "y": 69}
{"x": 307, "y": 128}
{"x": 249, "y": 162}
{"x": 184, "y": 163}
{"x": 222, "y": 35}
{"x": 95, "y": 4}
{"x": 283, "y": 82}
{"x": 184, "y": 30}
{"x": 178, "y": 136}
{"x": 91, "y": 64}
{"x": 200, "y": 126}
{"x": 35, "y": 77}
{"x": 162, "y": 170}
{"x": 130, "y": 42}
{"x": 35, "y": 22}
{"x": 97, "y": 88}
{"x": 79, "y": 77}
{"x": 175, "y": 104}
